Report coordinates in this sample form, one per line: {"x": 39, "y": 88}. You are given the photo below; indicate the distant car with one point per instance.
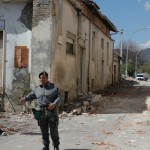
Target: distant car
{"x": 146, "y": 78}
{"x": 141, "y": 77}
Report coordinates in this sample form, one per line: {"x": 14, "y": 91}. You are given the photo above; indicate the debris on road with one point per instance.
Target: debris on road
{"x": 90, "y": 104}
{"x": 11, "y": 123}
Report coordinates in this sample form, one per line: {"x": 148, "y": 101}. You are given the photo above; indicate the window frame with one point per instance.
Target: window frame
{"x": 102, "y": 43}
{"x": 108, "y": 52}
{"x": 70, "y": 39}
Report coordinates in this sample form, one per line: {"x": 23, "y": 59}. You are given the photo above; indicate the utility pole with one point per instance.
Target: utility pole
{"x": 121, "y": 34}
{"x": 136, "y": 62}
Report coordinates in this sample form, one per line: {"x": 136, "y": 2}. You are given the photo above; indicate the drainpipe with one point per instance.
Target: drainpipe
{"x": 4, "y": 65}
{"x": 77, "y": 48}
{"x": 121, "y": 34}
{"x": 89, "y": 61}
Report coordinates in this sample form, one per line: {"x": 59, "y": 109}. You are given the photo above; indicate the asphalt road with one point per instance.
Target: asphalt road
{"x": 124, "y": 125}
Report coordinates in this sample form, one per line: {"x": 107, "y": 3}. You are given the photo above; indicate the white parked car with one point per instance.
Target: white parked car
{"x": 141, "y": 77}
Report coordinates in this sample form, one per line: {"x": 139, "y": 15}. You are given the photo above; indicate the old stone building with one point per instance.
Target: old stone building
{"x": 70, "y": 39}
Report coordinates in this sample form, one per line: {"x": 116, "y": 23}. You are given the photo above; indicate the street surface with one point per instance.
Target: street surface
{"x": 123, "y": 125}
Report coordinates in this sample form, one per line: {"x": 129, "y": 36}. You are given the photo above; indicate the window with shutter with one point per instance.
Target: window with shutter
{"x": 70, "y": 43}
{"x": 21, "y": 56}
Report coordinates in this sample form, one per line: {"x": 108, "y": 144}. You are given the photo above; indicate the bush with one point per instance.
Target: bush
{"x": 131, "y": 69}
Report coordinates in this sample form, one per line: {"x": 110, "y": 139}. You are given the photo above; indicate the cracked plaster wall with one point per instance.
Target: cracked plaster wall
{"x": 41, "y": 39}
{"x": 16, "y": 34}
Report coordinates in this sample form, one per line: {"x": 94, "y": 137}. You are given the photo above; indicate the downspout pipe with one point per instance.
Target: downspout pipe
{"x": 4, "y": 65}
{"x": 113, "y": 64}
{"x": 77, "y": 49}
{"x": 89, "y": 61}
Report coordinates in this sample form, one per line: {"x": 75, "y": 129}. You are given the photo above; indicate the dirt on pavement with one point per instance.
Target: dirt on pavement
{"x": 121, "y": 98}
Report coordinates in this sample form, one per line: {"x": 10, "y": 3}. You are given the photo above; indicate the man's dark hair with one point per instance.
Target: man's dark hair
{"x": 43, "y": 73}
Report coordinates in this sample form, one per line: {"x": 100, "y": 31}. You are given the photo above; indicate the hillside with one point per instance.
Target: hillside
{"x": 144, "y": 56}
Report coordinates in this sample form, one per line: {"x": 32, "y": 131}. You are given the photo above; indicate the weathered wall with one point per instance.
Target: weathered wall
{"x": 52, "y": 21}
{"x": 102, "y": 75}
{"x": 67, "y": 67}
{"x": 16, "y": 34}
{"x": 41, "y": 39}
{"x": 116, "y": 64}
{"x": 49, "y": 36}
{"x": 64, "y": 68}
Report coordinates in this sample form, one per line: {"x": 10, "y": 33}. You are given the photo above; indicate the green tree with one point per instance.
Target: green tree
{"x": 131, "y": 69}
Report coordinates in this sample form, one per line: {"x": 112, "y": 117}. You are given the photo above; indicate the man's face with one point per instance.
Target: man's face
{"x": 43, "y": 79}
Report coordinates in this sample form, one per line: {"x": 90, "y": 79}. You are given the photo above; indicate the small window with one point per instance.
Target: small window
{"x": 93, "y": 46}
{"x": 66, "y": 97}
{"x": 92, "y": 83}
{"x": 107, "y": 53}
{"x": 70, "y": 46}
{"x": 1, "y": 35}
{"x": 102, "y": 43}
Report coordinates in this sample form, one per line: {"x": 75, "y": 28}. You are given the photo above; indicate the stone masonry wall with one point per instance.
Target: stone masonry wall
{"x": 42, "y": 9}
{"x": 41, "y": 39}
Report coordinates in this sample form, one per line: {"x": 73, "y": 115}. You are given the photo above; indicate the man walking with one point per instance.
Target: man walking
{"x": 48, "y": 99}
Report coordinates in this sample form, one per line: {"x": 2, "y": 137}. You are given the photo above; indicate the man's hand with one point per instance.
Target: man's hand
{"x": 22, "y": 101}
{"x": 51, "y": 106}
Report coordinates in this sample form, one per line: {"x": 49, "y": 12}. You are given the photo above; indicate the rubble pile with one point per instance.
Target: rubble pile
{"x": 128, "y": 81}
{"x": 97, "y": 102}
{"x": 1, "y": 107}
{"x": 11, "y": 123}
{"x": 1, "y": 104}
{"x": 93, "y": 106}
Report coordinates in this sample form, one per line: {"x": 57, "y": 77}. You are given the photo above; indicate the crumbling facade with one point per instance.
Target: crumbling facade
{"x": 15, "y": 47}
{"x": 70, "y": 39}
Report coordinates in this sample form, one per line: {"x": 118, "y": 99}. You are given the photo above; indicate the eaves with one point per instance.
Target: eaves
{"x": 92, "y": 6}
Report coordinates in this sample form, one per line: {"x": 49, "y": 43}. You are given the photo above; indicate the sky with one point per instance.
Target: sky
{"x": 133, "y": 16}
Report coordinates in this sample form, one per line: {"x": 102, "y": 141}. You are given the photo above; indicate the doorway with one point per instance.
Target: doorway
{"x": 102, "y": 75}
{"x": 82, "y": 69}
{"x": 115, "y": 74}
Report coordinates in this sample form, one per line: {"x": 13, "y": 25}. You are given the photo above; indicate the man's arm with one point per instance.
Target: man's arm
{"x": 31, "y": 96}
{"x": 58, "y": 99}
{"x": 56, "y": 102}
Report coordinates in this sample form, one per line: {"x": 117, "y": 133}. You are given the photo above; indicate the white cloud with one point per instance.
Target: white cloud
{"x": 145, "y": 45}
{"x": 139, "y": 0}
{"x": 147, "y": 5}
